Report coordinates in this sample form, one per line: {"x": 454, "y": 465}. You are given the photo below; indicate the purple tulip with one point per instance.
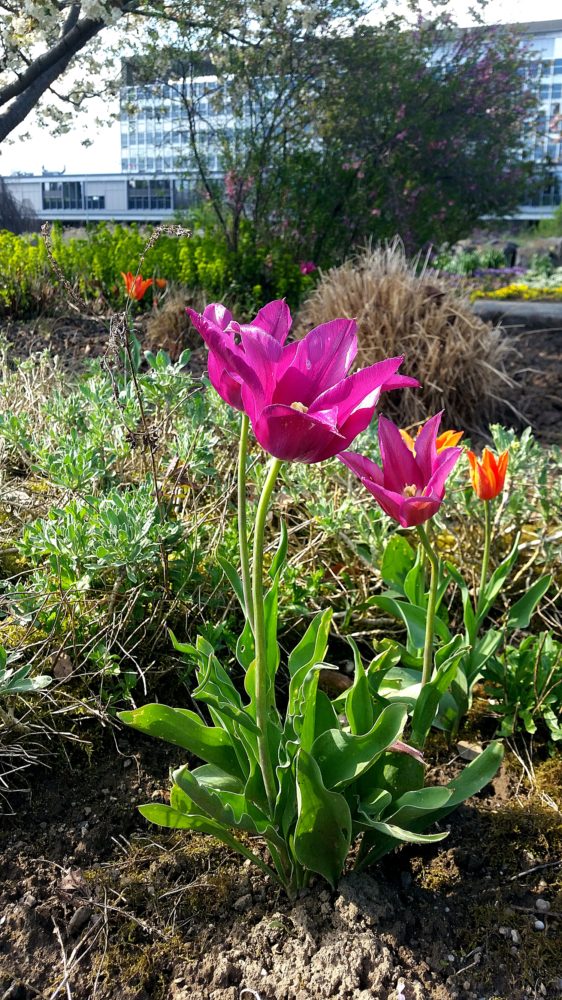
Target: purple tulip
{"x": 410, "y": 486}
{"x": 302, "y": 403}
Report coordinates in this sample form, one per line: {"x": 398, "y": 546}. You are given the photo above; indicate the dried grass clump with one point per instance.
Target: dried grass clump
{"x": 170, "y": 329}
{"x": 401, "y": 308}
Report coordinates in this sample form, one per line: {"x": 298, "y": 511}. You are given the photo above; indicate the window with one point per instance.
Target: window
{"x": 59, "y": 195}
{"x": 544, "y": 93}
{"x": 557, "y": 90}
{"x": 95, "y": 202}
{"x": 52, "y": 195}
{"x": 138, "y": 194}
{"x": 160, "y": 194}
{"x": 557, "y": 67}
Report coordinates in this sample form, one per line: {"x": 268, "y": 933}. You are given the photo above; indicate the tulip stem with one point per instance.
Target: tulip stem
{"x": 431, "y": 605}
{"x": 485, "y": 555}
{"x": 243, "y": 522}
{"x": 261, "y": 678}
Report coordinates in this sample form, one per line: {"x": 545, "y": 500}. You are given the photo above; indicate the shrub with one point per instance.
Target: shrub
{"x": 400, "y": 309}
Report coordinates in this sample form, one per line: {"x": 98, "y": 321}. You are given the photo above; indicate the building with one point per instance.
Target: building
{"x": 158, "y": 170}
{"x": 79, "y": 198}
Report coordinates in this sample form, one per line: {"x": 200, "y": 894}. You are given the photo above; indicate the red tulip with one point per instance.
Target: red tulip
{"x": 488, "y": 474}
{"x": 136, "y": 285}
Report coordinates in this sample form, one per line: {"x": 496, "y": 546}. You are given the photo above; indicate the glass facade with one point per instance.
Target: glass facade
{"x": 62, "y": 195}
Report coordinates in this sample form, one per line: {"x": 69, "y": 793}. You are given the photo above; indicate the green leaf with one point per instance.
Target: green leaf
{"x": 415, "y": 804}
{"x": 358, "y": 703}
{"x": 343, "y": 757}
{"x": 406, "y": 836}
{"x": 312, "y": 647}
{"x": 281, "y": 554}
{"x": 323, "y": 829}
{"x": 471, "y": 780}
{"x": 414, "y": 584}
{"x": 230, "y": 809}
{"x": 233, "y": 578}
{"x": 162, "y": 815}
{"x": 413, "y": 617}
{"x": 429, "y": 697}
{"x": 185, "y": 729}
{"x": 397, "y": 561}
{"x": 522, "y": 611}
{"x": 497, "y": 580}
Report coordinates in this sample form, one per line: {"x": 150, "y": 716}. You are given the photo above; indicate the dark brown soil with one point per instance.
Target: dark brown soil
{"x": 133, "y": 912}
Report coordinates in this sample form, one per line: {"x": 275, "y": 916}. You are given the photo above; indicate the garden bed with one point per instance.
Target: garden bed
{"x": 136, "y": 913}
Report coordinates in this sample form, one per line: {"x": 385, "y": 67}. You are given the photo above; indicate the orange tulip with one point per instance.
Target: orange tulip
{"x": 160, "y": 282}
{"x": 448, "y": 439}
{"x": 488, "y": 474}
{"x": 136, "y": 285}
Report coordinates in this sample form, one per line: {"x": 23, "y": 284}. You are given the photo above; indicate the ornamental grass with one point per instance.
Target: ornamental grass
{"x": 402, "y": 308}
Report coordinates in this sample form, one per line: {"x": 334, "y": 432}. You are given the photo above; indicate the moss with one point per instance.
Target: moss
{"x": 548, "y": 778}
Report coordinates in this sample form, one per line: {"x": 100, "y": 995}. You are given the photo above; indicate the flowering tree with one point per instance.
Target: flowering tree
{"x": 42, "y": 40}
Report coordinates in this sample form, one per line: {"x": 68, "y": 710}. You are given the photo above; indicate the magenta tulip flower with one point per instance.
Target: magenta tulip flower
{"x": 222, "y": 334}
{"x": 301, "y": 402}
{"x": 410, "y": 486}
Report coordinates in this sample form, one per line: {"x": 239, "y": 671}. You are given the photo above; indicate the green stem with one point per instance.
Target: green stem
{"x": 431, "y": 605}
{"x": 261, "y": 687}
{"x": 485, "y": 556}
{"x": 243, "y": 522}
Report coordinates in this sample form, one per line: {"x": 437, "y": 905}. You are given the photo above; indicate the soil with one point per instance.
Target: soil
{"x": 95, "y": 903}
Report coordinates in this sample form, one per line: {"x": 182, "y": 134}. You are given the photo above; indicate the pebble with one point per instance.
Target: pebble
{"x": 243, "y": 903}
{"x": 450, "y": 958}
{"x": 516, "y": 937}
{"x": 539, "y": 925}
{"x": 29, "y": 900}
{"x": 78, "y": 919}
{"x": 542, "y": 905}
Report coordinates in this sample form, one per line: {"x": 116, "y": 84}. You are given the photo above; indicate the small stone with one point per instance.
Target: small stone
{"x": 558, "y": 984}
{"x": 450, "y": 958}
{"x": 263, "y": 973}
{"x": 78, "y": 919}
{"x": 29, "y": 900}
{"x": 243, "y": 903}
{"x": 466, "y": 985}
{"x": 127, "y": 762}
{"x": 542, "y": 905}
{"x": 504, "y": 931}
{"x": 516, "y": 937}
{"x": 539, "y": 925}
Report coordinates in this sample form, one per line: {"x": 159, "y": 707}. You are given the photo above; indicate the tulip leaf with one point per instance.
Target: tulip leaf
{"x": 343, "y": 757}
{"x": 323, "y": 830}
{"x": 358, "y": 703}
{"x": 233, "y": 578}
{"x": 166, "y": 816}
{"x": 312, "y": 647}
{"x": 522, "y": 611}
{"x": 281, "y": 554}
{"x": 185, "y": 729}
{"x": 413, "y": 617}
{"x": 414, "y": 584}
{"x": 429, "y": 697}
{"x": 397, "y": 561}
{"x": 497, "y": 580}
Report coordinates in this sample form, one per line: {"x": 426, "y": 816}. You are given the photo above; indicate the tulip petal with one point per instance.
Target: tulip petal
{"x": 326, "y": 354}
{"x": 217, "y": 314}
{"x": 355, "y": 390}
{"x": 443, "y": 466}
{"x": 274, "y": 319}
{"x": 291, "y": 435}
{"x": 362, "y": 466}
{"x": 426, "y": 445}
{"x": 399, "y": 465}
